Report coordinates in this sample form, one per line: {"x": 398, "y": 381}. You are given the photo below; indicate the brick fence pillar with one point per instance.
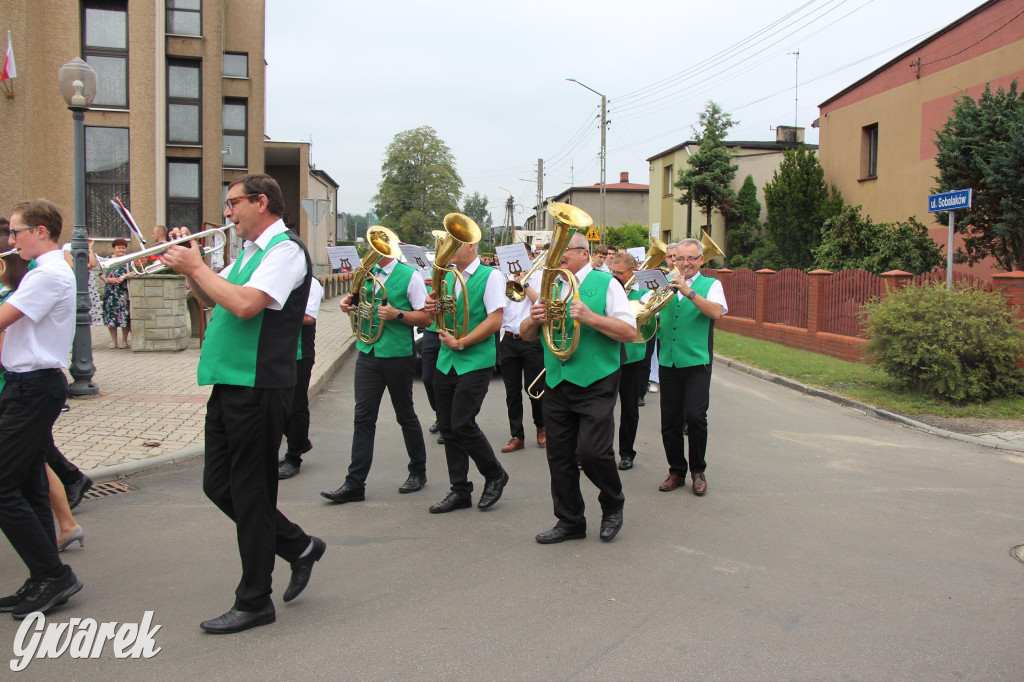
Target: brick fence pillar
{"x": 761, "y": 295}
{"x": 894, "y": 280}
{"x": 1011, "y": 284}
{"x": 816, "y": 299}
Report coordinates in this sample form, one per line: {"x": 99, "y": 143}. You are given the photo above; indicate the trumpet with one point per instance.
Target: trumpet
{"x": 382, "y": 243}
{"x": 516, "y": 289}
{"x": 147, "y": 261}
{"x": 3, "y": 259}
{"x": 458, "y": 231}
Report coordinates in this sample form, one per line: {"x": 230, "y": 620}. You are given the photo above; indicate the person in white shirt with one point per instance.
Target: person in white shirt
{"x": 685, "y": 354}
{"x": 39, "y": 321}
{"x": 296, "y": 427}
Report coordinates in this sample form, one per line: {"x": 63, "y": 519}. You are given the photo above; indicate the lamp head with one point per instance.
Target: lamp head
{"x": 77, "y": 81}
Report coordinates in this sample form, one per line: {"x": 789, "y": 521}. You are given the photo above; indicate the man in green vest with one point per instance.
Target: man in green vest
{"x": 464, "y": 369}
{"x": 685, "y": 352}
{"x": 387, "y": 363}
{"x": 634, "y": 370}
{"x": 579, "y": 402}
{"x": 249, "y": 357}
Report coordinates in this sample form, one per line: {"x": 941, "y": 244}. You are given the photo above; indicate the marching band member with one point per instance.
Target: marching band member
{"x": 633, "y": 373}
{"x": 580, "y": 399}
{"x": 296, "y": 427}
{"x": 39, "y": 321}
{"x": 249, "y": 357}
{"x": 464, "y": 369}
{"x": 388, "y": 363}
{"x": 521, "y": 362}
{"x": 685, "y": 353}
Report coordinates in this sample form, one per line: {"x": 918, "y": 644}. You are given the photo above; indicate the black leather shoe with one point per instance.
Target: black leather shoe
{"x": 640, "y": 402}
{"x": 45, "y": 593}
{"x": 626, "y": 463}
{"x": 492, "y": 491}
{"x": 287, "y": 469}
{"x": 440, "y": 439}
{"x": 8, "y": 603}
{"x": 303, "y": 568}
{"x": 559, "y": 534}
{"x": 452, "y": 502}
{"x": 434, "y": 428}
{"x": 346, "y": 493}
{"x": 413, "y": 483}
{"x": 237, "y": 621}
{"x": 76, "y": 490}
{"x": 611, "y": 524}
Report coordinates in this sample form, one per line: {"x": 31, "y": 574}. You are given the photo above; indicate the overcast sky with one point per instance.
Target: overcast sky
{"x": 490, "y": 78}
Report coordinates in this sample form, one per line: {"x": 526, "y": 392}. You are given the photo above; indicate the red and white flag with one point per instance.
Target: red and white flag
{"x": 9, "y": 70}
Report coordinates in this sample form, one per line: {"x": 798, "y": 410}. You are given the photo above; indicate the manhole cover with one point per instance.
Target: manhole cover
{"x": 101, "y": 490}
{"x": 1018, "y": 553}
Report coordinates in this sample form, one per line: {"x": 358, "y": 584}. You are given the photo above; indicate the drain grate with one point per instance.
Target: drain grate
{"x": 101, "y": 490}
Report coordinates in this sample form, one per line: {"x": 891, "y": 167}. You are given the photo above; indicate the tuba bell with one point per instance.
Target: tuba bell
{"x": 709, "y": 248}
{"x": 560, "y": 337}
{"x": 459, "y": 230}
{"x": 381, "y": 243}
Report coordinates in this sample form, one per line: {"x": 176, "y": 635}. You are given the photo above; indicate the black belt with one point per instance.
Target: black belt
{"x": 514, "y": 336}
{"x": 34, "y": 374}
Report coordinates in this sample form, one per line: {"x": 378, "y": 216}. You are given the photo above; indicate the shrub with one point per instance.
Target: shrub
{"x": 961, "y": 345}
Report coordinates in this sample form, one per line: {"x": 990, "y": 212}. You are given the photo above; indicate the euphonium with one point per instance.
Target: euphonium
{"x": 561, "y": 338}
{"x": 137, "y": 261}
{"x": 458, "y": 230}
{"x": 381, "y": 243}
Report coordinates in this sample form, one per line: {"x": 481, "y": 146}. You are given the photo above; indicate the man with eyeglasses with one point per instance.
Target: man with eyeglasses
{"x": 249, "y": 357}
{"x": 685, "y": 354}
{"x": 579, "y": 401}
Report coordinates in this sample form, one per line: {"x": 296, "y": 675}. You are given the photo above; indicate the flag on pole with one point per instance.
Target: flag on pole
{"x": 9, "y": 70}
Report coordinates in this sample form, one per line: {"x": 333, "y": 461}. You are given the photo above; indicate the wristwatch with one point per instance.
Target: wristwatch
{"x": 692, "y": 295}
{"x": 400, "y": 315}
{"x": 460, "y": 346}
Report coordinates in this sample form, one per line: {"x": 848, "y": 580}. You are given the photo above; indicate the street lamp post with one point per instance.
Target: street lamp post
{"x": 604, "y": 126}
{"x": 77, "y": 82}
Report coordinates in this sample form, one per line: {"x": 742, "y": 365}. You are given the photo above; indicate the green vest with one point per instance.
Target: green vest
{"x": 261, "y": 351}
{"x": 396, "y": 339}
{"x": 479, "y": 355}
{"x": 686, "y": 335}
{"x": 635, "y": 351}
{"x": 597, "y": 356}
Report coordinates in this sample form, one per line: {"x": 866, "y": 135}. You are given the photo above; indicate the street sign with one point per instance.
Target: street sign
{"x": 949, "y": 201}
{"x": 593, "y": 235}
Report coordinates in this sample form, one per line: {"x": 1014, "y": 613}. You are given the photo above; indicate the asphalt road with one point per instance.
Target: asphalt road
{"x": 830, "y": 546}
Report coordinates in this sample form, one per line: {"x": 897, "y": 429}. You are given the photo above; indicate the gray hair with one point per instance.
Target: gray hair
{"x": 691, "y": 240}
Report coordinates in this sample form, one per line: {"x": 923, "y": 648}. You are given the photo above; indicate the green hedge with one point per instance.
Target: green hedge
{"x": 962, "y": 345}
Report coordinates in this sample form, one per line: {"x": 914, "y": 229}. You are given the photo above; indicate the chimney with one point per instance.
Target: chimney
{"x": 624, "y": 176}
{"x": 789, "y": 134}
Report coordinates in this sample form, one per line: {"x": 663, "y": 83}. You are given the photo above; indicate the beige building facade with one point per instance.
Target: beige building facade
{"x": 624, "y": 202}
{"x": 178, "y": 114}
{"x": 877, "y": 135}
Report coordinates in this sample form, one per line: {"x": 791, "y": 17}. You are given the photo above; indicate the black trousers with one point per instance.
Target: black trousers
{"x": 67, "y": 472}
{"x": 581, "y": 428}
{"x": 28, "y": 410}
{"x": 243, "y": 434}
{"x": 652, "y": 345}
{"x": 296, "y": 426}
{"x": 459, "y": 398}
{"x": 521, "y": 362}
{"x": 429, "y": 349}
{"x": 632, "y": 380}
{"x": 373, "y": 375}
{"x": 685, "y": 395}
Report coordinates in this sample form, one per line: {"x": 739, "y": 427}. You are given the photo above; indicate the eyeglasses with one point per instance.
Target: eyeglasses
{"x": 16, "y": 230}
{"x": 230, "y": 203}
{"x": 689, "y": 259}
{"x": 580, "y": 248}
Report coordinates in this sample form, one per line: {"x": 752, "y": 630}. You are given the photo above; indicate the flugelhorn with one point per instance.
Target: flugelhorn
{"x": 3, "y": 259}
{"x": 459, "y": 230}
{"x": 137, "y": 261}
{"x": 381, "y": 243}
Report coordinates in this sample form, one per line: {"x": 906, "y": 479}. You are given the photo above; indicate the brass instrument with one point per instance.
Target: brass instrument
{"x": 560, "y": 338}
{"x": 458, "y": 231}
{"x": 3, "y": 259}
{"x": 136, "y": 261}
{"x": 709, "y": 247}
{"x": 655, "y": 257}
{"x": 381, "y": 243}
{"x": 516, "y": 289}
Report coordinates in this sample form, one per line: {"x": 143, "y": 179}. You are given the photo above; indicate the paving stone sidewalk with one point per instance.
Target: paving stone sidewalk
{"x": 149, "y": 404}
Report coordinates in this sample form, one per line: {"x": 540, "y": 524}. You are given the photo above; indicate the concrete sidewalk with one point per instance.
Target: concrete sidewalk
{"x": 150, "y": 410}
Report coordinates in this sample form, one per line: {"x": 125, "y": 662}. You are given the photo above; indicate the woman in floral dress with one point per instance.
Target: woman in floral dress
{"x": 116, "y": 310}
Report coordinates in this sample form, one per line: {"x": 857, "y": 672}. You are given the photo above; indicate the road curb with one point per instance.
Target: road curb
{"x": 864, "y": 407}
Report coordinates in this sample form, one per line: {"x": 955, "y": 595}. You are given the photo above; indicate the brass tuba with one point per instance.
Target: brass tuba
{"x": 381, "y": 243}
{"x": 458, "y": 231}
{"x": 560, "y": 337}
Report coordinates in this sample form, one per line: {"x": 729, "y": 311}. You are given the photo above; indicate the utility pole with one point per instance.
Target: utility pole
{"x": 796, "y": 88}
{"x": 510, "y": 221}
{"x": 540, "y": 222}
{"x": 604, "y": 129}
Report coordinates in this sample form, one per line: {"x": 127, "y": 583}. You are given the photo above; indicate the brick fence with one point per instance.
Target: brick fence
{"x": 798, "y": 309}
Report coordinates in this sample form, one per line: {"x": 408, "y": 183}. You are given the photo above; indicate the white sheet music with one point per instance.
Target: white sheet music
{"x": 650, "y": 279}
{"x": 344, "y": 257}
{"x": 415, "y": 256}
{"x": 513, "y": 259}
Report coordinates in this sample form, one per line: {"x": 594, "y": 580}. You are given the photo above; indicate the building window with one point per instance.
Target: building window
{"x": 236, "y": 65}
{"x": 106, "y": 177}
{"x": 105, "y": 48}
{"x": 183, "y": 101}
{"x": 667, "y": 183}
{"x": 869, "y": 152}
{"x": 184, "y": 206}
{"x": 185, "y": 17}
{"x": 235, "y": 117}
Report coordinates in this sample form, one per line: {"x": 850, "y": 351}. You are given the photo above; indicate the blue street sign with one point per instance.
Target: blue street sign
{"x": 949, "y": 201}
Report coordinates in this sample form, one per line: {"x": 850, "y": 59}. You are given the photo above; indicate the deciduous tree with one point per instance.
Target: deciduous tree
{"x": 852, "y": 241}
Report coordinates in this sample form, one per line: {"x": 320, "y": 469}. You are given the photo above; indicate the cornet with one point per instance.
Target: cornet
{"x": 146, "y": 262}
{"x": 458, "y": 231}
{"x": 381, "y": 243}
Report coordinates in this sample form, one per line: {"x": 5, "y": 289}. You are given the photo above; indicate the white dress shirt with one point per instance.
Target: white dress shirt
{"x": 416, "y": 291}
{"x": 514, "y": 312}
{"x": 616, "y": 304}
{"x": 282, "y": 269}
{"x": 716, "y": 294}
{"x": 46, "y": 297}
{"x": 316, "y": 294}
{"x": 494, "y": 292}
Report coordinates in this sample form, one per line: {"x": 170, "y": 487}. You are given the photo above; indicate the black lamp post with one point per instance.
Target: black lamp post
{"x": 78, "y": 88}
